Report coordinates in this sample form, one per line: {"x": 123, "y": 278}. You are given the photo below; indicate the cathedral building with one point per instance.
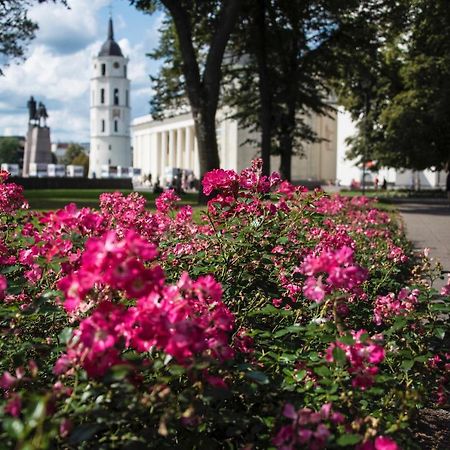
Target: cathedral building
{"x": 159, "y": 146}
{"x": 110, "y": 108}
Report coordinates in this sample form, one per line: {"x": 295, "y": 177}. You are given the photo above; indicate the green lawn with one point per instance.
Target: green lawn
{"x": 50, "y": 199}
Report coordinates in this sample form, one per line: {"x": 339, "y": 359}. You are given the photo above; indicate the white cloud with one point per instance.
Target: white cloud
{"x": 57, "y": 70}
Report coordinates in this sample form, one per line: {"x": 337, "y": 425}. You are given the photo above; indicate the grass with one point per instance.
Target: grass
{"x": 50, "y": 199}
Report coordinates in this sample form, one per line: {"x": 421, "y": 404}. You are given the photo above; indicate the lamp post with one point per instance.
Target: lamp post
{"x": 365, "y": 85}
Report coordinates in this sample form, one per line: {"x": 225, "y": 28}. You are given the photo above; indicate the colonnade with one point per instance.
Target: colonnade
{"x": 157, "y": 150}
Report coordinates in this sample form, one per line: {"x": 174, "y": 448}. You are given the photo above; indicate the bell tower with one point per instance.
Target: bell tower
{"x": 110, "y": 108}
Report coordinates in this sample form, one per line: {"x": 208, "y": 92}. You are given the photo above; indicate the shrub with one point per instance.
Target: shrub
{"x": 286, "y": 319}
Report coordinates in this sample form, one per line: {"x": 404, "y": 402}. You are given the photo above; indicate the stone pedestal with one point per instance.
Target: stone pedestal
{"x": 37, "y": 148}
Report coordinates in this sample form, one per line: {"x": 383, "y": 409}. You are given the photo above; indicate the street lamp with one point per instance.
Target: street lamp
{"x": 365, "y": 85}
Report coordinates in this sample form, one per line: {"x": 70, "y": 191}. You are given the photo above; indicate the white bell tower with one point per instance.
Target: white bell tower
{"x": 110, "y": 108}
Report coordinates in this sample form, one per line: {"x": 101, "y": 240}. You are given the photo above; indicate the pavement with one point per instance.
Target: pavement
{"x": 427, "y": 224}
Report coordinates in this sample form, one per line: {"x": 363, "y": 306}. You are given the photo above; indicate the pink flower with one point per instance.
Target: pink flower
{"x": 226, "y": 181}
{"x": 166, "y": 201}
{"x": 385, "y": 443}
{"x": 14, "y": 405}
{"x": 331, "y": 270}
{"x": 65, "y": 427}
{"x": 307, "y": 427}
{"x": 7, "y": 380}
{"x": 3, "y": 286}
{"x": 363, "y": 356}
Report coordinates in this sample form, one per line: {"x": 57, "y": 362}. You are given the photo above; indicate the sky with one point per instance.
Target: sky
{"x": 57, "y": 68}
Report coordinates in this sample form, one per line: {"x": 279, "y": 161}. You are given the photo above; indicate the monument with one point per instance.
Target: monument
{"x": 37, "y": 145}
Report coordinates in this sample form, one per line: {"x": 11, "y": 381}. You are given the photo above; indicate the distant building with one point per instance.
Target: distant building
{"x": 110, "y": 108}
{"x": 159, "y": 146}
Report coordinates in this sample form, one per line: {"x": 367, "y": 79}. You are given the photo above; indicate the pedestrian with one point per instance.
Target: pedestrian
{"x": 384, "y": 184}
{"x": 376, "y": 181}
{"x": 448, "y": 184}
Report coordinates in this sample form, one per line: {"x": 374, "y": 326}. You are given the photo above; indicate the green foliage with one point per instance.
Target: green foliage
{"x": 9, "y": 150}
{"x": 16, "y": 29}
{"x": 74, "y": 152}
{"x": 408, "y": 70}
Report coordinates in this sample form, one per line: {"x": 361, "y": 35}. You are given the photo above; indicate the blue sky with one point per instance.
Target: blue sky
{"x": 57, "y": 68}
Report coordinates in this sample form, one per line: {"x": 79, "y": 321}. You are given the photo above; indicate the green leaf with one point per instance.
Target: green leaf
{"x": 348, "y": 439}
{"x": 407, "y": 364}
{"x": 9, "y": 269}
{"x": 83, "y": 433}
{"x": 65, "y": 335}
{"x": 14, "y": 427}
{"x": 259, "y": 377}
{"x": 339, "y": 355}
{"x": 347, "y": 339}
{"x": 323, "y": 371}
{"x": 439, "y": 332}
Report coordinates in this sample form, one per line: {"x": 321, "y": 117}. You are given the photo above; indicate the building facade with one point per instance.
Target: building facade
{"x": 159, "y": 146}
{"x": 110, "y": 108}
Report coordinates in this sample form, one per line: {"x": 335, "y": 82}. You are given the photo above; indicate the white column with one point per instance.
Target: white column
{"x": 196, "y": 162}
{"x": 172, "y": 148}
{"x": 155, "y": 158}
{"x": 179, "y": 162}
{"x": 187, "y": 149}
{"x": 163, "y": 157}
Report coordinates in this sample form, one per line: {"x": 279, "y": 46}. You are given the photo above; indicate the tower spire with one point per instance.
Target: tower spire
{"x": 110, "y": 30}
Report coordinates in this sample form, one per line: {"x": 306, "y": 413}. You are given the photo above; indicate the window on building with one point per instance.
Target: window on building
{"x": 109, "y": 162}
{"x": 116, "y": 96}
{"x": 116, "y": 65}
{"x": 109, "y": 147}
{"x": 116, "y": 126}
{"x": 103, "y": 70}
{"x": 103, "y": 126}
{"x": 127, "y": 97}
{"x": 102, "y": 96}
{"x": 125, "y": 71}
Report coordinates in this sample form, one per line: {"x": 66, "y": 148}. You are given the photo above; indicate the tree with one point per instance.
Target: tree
{"x": 73, "y": 152}
{"x": 282, "y": 45}
{"x": 16, "y": 29}
{"x": 274, "y": 71}
{"x": 9, "y": 150}
{"x": 201, "y": 61}
{"x": 82, "y": 160}
{"x": 408, "y": 68}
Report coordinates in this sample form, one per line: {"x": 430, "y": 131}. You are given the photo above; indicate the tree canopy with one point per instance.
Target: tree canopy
{"x": 16, "y": 29}
{"x": 9, "y": 150}
{"x": 408, "y": 93}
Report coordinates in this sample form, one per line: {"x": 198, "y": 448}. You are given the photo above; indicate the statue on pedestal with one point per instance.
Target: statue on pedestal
{"x": 37, "y": 114}
{"x": 42, "y": 114}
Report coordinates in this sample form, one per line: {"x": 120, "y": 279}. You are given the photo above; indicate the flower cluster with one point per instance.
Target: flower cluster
{"x": 390, "y": 305}
{"x": 118, "y": 263}
{"x": 184, "y": 321}
{"x": 363, "y": 357}
{"x": 331, "y": 270}
{"x": 11, "y": 195}
{"x": 309, "y": 429}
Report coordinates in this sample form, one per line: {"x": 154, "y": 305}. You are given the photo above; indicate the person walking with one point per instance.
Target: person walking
{"x": 448, "y": 185}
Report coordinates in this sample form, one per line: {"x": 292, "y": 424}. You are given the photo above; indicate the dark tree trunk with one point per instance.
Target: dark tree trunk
{"x": 265, "y": 92}
{"x": 286, "y": 157}
{"x": 287, "y": 140}
{"x": 203, "y": 90}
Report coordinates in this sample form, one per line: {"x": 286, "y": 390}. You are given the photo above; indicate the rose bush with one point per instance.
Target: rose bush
{"x": 285, "y": 319}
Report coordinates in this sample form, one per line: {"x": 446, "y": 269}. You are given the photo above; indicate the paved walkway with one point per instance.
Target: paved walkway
{"x": 428, "y": 225}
